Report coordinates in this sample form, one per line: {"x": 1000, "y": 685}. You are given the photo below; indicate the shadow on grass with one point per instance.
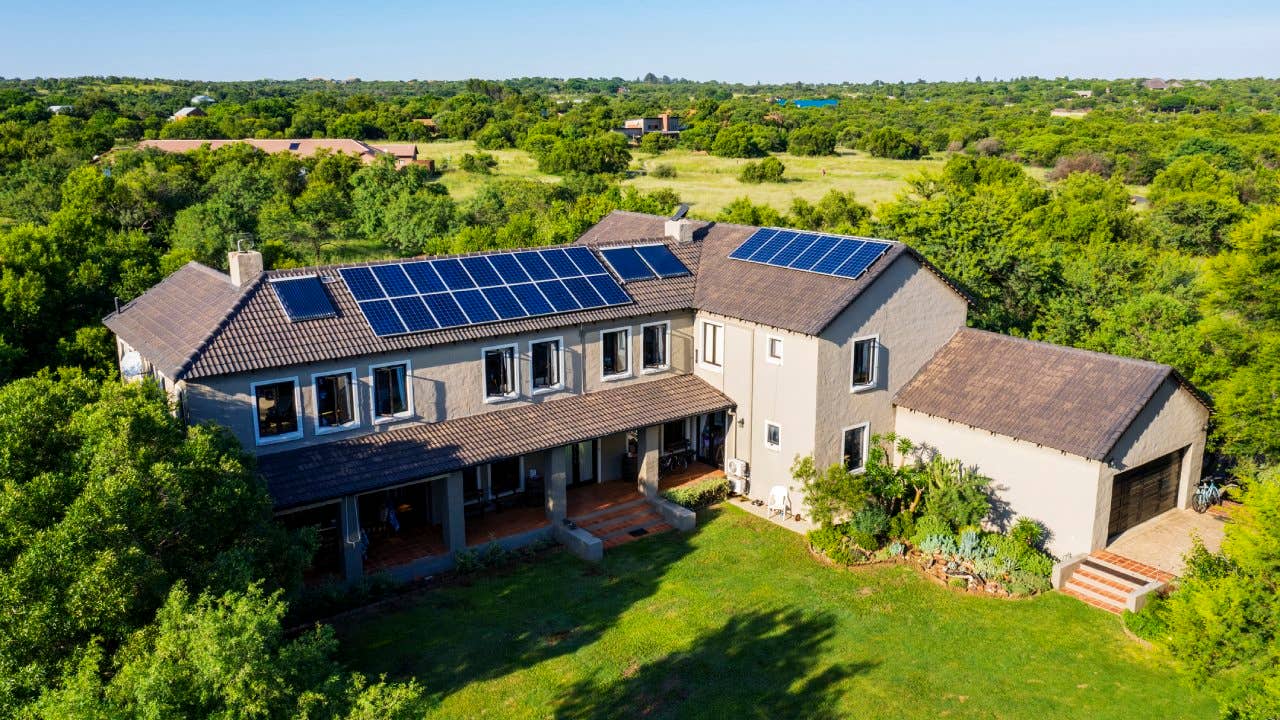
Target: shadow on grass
{"x": 758, "y": 664}
{"x": 497, "y": 624}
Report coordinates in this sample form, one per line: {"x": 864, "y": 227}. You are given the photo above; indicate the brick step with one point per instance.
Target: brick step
{"x": 1103, "y": 578}
{"x": 638, "y": 519}
{"x": 623, "y": 538}
{"x": 612, "y": 511}
{"x": 1115, "y": 572}
{"x": 1101, "y": 605}
{"x": 1130, "y": 567}
{"x": 1091, "y": 586}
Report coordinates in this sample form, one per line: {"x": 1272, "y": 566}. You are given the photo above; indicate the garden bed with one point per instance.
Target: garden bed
{"x": 935, "y": 567}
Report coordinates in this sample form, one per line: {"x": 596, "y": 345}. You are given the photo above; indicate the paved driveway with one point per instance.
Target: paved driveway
{"x": 1163, "y": 540}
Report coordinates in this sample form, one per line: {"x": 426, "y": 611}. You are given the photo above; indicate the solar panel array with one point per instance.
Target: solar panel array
{"x": 410, "y": 297}
{"x": 643, "y": 262}
{"x": 824, "y": 254}
{"x": 303, "y": 298}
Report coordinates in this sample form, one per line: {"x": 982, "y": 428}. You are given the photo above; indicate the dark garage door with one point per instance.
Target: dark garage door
{"x": 1145, "y": 491}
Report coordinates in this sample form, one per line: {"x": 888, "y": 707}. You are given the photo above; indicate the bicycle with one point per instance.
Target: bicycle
{"x": 1210, "y": 492}
{"x": 674, "y": 461}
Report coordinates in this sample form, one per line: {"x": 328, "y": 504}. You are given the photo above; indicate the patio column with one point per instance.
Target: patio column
{"x": 352, "y": 543}
{"x": 557, "y": 483}
{"x": 452, "y": 522}
{"x": 650, "y": 439}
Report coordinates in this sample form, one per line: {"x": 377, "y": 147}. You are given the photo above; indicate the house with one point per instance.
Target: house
{"x": 1154, "y": 84}
{"x": 188, "y": 112}
{"x": 1074, "y": 113}
{"x": 202, "y": 100}
{"x": 1082, "y": 93}
{"x": 61, "y": 109}
{"x": 637, "y": 128}
{"x": 404, "y": 153}
{"x": 412, "y": 409}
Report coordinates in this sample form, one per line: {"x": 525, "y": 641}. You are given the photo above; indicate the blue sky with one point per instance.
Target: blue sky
{"x": 746, "y": 40}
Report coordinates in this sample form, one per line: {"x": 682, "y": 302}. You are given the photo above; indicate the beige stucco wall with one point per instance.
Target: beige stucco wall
{"x": 447, "y": 380}
{"x": 913, "y": 313}
{"x": 1055, "y": 488}
{"x": 1172, "y": 420}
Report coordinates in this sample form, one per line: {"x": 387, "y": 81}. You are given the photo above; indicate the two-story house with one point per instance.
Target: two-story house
{"x": 412, "y": 409}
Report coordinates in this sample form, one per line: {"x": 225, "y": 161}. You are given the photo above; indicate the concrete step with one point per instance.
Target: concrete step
{"x": 613, "y": 510}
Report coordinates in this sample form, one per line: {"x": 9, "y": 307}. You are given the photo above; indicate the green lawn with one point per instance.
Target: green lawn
{"x": 736, "y": 620}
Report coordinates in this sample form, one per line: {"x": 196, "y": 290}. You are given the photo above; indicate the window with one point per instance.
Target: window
{"x": 276, "y": 406}
{"x": 336, "y": 401}
{"x": 391, "y": 398}
{"x": 547, "y": 365}
{"x": 772, "y": 435}
{"x": 615, "y": 358}
{"x": 500, "y": 381}
{"x": 655, "y": 346}
{"x": 712, "y": 345}
{"x": 855, "y": 447}
{"x": 864, "y": 362}
{"x": 773, "y": 349}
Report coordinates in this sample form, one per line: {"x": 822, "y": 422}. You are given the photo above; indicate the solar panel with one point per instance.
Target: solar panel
{"x": 627, "y": 263}
{"x": 662, "y": 260}
{"x": 303, "y": 298}
{"x": 452, "y": 292}
{"x": 822, "y": 254}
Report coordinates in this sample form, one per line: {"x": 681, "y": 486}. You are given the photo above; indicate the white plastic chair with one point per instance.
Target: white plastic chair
{"x": 780, "y": 501}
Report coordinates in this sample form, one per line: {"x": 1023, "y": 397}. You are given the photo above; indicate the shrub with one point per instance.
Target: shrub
{"x": 1088, "y": 162}
{"x": 1028, "y": 532}
{"x": 957, "y": 582}
{"x": 476, "y": 559}
{"x": 871, "y": 520}
{"x": 928, "y": 526}
{"x": 902, "y": 526}
{"x": 1025, "y": 583}
{"x": 1023, "y": 557}
{"x": 864, "y": 540}
{"x": 663, "y": 170}
{"x": 886, "y": 142}
{"x": 1152, "y": 621}
{"x": 939, "y": 544}
{"x": 480, "y": 163}
{"x": 988, "y": 147}
{"x": 833, "y": 543}
{"x": 769, "y": 169}
{"x": 699, "y": 494}
{"x": 972, "y": 547}
{"x": 811, "y": 141}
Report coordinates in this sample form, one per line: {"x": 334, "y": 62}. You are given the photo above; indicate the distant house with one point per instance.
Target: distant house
{"x": 1174, "y": 85}
{"x": 1154, "y": 84}
{"x": 404, "y": 153}
{"x": 637, "y": 128}
{"x": 1082, "y": 93}
{"x": 188, "y": 112}
{"x": 428, "y": 123}
{"x": 61, "y": 109}
{"x": 815, "y": 103}
{"x": 202, "y": 100}
{"x": 1076, "y": 113}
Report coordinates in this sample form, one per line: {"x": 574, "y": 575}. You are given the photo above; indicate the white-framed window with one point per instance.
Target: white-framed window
{"x": 865, "y": 363}
{"x": 391, "y": 391}
{"x": 655, "y": 353}
{"x": 615, "y": 353}
{"x": 337, "y": 406}
{"x": 772, "y": 435}
{"x": 712, "y": 338}
{"x": 773, "y": 349}
{"x": 277, "y": 410}
{"x": 501, "y": 373}
{"x": 856, "y": 443}
{"x": 546, "y": 365}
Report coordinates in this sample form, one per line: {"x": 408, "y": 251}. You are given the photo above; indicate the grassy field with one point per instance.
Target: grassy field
{"x": 709, "y": 183}
{"x": 736, "y": 620}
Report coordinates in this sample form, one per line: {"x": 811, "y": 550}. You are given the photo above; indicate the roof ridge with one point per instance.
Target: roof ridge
{"x": 1069, "y": 348}
{"x": 1131, "y": 414}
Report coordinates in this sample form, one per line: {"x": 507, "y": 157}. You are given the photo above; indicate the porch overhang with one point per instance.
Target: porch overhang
{"x": 381, "y": 459}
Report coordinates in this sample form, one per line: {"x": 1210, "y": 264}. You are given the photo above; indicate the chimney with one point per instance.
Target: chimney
{"x": 245, "y": 266}
{"x": 679, "y": 230}
{"x": 666, "y": 122}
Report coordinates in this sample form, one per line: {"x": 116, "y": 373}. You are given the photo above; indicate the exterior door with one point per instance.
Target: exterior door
{"x": 584, "y": 463}
{"x": 1143, "y": 492}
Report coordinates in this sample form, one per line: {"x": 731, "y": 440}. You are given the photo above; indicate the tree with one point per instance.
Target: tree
{"x": 887, "y": 142}
{"x": 811, "y": 140}
{"x": 109, "y": 500}
{"x": 1224, "y": 617}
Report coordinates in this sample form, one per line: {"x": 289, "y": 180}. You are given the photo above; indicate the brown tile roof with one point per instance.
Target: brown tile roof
{"x": 170, "y": 323}
{"x": 303, "y": 147}
{"x": 367, "y": 462}
{"x": 802, "y": 302}
{"x": 1072, "y": 400}
{"x": 258, "y": 335}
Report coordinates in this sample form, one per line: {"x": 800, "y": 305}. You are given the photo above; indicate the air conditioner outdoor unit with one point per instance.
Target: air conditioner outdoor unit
{"x": 737, "y": 471}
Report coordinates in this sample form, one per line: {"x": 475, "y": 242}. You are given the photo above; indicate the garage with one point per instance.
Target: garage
{"x": 1141, "y": 493}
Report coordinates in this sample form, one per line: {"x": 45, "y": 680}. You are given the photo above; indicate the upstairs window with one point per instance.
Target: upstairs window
{"x": 772, "y": 435}
{"x": 864, "y": 362}
{"x": 500, "y": 373}
{"x": 336, "y": 401}
{"x": 390, "y": 391}
{"x": 655, "y": 346}
{"x": 773, "y": 350}
{"x": 712, "y": 344}
{"x": 546, "y": 365}
{"x": 276, "y": 407}
{"x": 615, "y": 353}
